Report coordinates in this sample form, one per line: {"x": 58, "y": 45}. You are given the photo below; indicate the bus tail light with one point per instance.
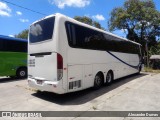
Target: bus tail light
{"x": 59, "y": 67}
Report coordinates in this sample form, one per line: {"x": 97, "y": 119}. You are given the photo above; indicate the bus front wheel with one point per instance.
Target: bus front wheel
{"x": 22, "y": 73}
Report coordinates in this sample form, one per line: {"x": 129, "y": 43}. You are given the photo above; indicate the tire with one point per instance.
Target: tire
{"x": 98, "y": 81}
{"x": 22, "y": 73}
{"x": 109, "y": 78}
{"x": 13, "y": 77}
{"x": 139, "y": 69}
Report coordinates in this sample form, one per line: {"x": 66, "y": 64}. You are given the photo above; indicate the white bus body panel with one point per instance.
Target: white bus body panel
{"x": 45, "y": 68}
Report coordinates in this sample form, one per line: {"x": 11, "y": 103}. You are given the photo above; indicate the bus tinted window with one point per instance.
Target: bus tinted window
{"x": 13, "y": 45}
{"x": 86, "y": 38}
{"x": 1, "y": 44}
{"x": 42, "y": 30}
{"x": 80, "y": 37}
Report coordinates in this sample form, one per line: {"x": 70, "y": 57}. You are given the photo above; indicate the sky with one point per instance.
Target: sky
{"x": 14, "y": 19}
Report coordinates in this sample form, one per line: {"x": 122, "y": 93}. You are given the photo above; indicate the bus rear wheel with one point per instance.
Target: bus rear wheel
{"x": 22, "y": 73}
{"x": 109, "y": 78}
{"x": 98, "y": 81}
{"x": 139, "y": 69}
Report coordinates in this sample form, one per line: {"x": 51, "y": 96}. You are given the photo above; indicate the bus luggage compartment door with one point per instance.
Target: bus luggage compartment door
{"x": 43, "y": 65}
{"x": 74, "y": 77}
{"x": 88, "y": 76}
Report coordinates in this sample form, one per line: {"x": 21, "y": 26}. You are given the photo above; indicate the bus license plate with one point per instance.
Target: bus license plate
{"x": 39, "y": 82}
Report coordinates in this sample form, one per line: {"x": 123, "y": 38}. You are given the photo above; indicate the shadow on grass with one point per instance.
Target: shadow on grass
{"x": 86, "y": 95}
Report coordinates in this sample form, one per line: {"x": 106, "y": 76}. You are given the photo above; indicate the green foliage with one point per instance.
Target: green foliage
{"x": 89, "y": 21}
{"x": 141, "y": 20}
{"x": 155, "y": 50}
{"x": 23, "y": 34}
{"x": 151, "y": 70}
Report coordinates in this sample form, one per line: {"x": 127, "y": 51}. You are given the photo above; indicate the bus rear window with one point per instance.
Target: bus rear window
{"x": 42, "y": 30}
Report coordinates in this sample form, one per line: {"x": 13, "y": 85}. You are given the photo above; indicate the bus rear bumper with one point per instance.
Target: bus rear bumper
{"x": 50, "y": 86}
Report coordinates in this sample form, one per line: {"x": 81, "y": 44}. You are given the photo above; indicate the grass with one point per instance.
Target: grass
{"x": 149, "y": 69}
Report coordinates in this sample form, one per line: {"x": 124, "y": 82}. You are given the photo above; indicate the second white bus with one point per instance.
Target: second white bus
{"x": 65, "y": 55}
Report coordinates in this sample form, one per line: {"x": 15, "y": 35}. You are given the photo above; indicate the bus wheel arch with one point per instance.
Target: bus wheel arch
{"x": 98, "y": 80}
{"x": 109, "y": 77}
{"x": 21, "y": 72}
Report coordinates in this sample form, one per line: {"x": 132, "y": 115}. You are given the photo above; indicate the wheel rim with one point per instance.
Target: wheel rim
{"x": 109, "y": 77}
{"x": 22, "y": 73}
{"x": 98, "y": 80}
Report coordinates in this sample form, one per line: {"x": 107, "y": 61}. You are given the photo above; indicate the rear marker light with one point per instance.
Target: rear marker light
{"x": 59, "y": 67}
{"x": 54, "y": 86}
{"x": 71, "y": 78}
{"x": 49, "y": 84}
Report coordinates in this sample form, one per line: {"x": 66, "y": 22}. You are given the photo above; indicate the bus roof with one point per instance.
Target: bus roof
{"x": 13, "y": 38}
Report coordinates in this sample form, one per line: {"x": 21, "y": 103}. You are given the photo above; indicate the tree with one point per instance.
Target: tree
{"x": 89, "y": 21}
{"x": 23, "y": 34}
{"x": 139, "y": 18}
{"x": 155, "y": 50}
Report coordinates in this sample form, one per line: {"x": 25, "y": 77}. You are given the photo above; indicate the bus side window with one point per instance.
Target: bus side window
{"x": 1, "y": 45}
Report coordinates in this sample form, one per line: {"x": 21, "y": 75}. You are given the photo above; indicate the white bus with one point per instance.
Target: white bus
{"x": 66, "y": 55}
